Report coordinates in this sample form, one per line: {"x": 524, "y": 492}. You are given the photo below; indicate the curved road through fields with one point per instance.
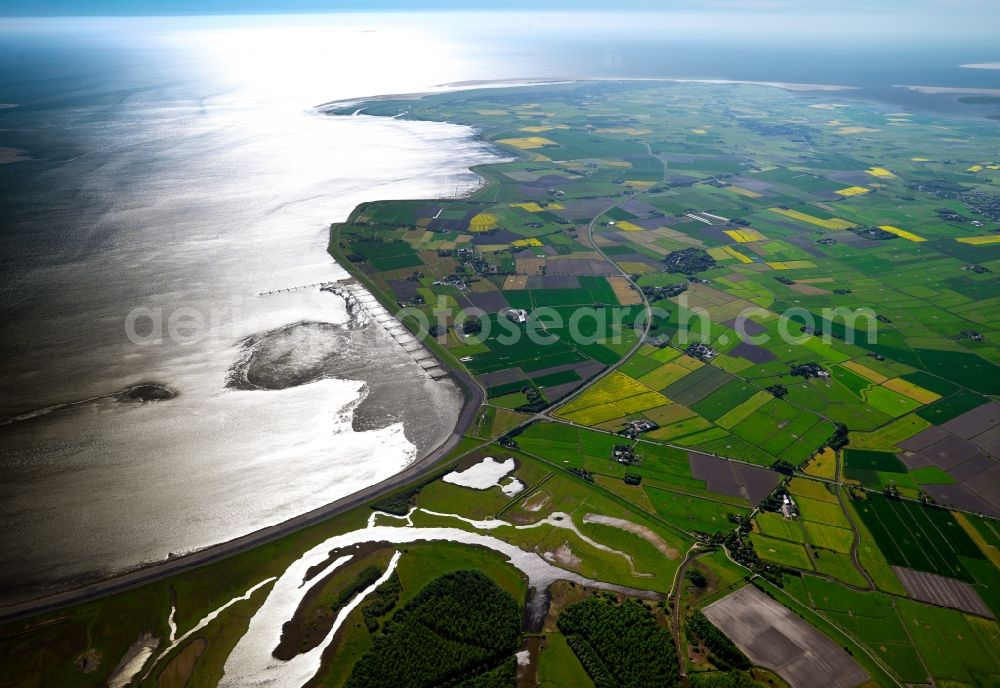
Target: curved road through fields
{"x": 645, "y": 302}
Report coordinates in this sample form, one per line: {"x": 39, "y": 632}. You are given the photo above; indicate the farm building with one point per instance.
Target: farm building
{"x": 788, "y": 507}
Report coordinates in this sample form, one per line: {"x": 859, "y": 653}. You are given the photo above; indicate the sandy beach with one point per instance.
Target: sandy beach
{"x": 513, "y": 83}
{"x": 775, "y": 84}
{"x": 952, "y": 90}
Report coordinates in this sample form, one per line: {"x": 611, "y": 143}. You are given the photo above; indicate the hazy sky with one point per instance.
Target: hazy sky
{"x": 907, "y": 10}
{"x": 868, "y": 24}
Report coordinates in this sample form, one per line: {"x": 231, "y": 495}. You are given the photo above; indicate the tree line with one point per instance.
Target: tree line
{"x": 460, "y": 631}
{"x": 620, "y": 645}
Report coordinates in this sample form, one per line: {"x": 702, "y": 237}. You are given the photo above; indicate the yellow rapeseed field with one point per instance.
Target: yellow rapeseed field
{"x": 865, "y": 372}
{"x": 738, "y": 255}
{"x": 980, "y": 240}
{"x": 615, "y": 396}
{"x": 528, "y": 142}
{"x": 853, "y": 191}
{"x": 832, "y": 223}
{"x": 908, "y": 389}
{"x": 790, "y": 264}
{"x": 880, "y": 172}
{"x": 823, "y": 465}
{"x": 727, "y": 253}
{"x": 530, "y": 207}
{"x": 533, "y": 207}
{"x": 745, "y": 236}
{"x": 483, "y": 222}
{"x": 909, "y": 236}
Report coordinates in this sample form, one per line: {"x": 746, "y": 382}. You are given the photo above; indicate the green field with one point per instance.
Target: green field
{"x": 558, "y": 666}
{"x": 877, "y": 620}
{"x": 918, "y": 537}
{"x": 691, "y": 513}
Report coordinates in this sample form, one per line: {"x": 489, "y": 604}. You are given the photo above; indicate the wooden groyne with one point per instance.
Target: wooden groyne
{"x": 301, "y": 287}
{"x": 362, "y": 302}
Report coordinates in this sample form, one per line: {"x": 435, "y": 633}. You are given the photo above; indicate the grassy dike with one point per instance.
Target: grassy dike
{"x": 389, "y": 303}
{"x": 473, "y": 393}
